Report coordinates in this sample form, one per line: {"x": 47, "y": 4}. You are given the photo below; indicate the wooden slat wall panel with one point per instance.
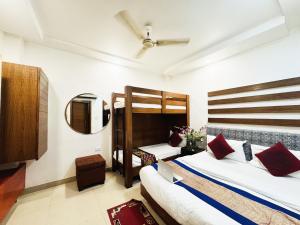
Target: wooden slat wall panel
{"x": 282, "y": 109}
{"x": 264, "y": 109}
{"x": 256, "y": 87}
{"x": 257, "y": 98}
{"x": 269, "y": 122}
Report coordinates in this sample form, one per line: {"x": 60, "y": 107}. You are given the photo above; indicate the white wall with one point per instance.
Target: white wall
{"x": 12, "y": 48}
{"x": 1, "y": 42}
{"x": 274, "y": 61}
{"x": 70, "y": 75}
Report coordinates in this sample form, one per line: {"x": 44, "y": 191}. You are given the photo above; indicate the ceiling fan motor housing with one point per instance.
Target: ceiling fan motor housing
{"x": 148, "y": 43}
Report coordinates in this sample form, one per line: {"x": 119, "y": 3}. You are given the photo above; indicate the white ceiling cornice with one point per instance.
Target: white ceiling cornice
{"x": 264, "y": 33}
{"x": 95, "y": 54}
{"x": 35, "y": 19}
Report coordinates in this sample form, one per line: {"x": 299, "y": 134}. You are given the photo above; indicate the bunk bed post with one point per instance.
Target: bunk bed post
{"x": 187, "y": 110}
{"x": 128, "y": 135}
{"x": 163, "y": 102}
{"x": 113, "y": 141}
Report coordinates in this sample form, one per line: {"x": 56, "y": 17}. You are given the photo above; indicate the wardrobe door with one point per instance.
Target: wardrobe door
{"x": 23, "y": 117}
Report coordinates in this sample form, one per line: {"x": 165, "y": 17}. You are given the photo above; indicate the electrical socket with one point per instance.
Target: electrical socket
{"x": 98, "y": 149}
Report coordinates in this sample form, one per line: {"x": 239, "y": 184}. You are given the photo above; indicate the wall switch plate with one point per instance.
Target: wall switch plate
{"x": 98, "y": 149}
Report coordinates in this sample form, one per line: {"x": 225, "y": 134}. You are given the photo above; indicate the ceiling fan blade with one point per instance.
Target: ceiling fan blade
{"x": 141, "y": 52}
{"x": 125, "y": 18}
{"x": 172, "y": 42}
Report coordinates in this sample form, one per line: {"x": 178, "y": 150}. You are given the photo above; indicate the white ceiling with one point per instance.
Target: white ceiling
{"x": 90, "y": 24}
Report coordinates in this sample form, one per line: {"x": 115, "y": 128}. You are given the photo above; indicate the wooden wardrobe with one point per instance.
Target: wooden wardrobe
{"x": 24, "y": 113}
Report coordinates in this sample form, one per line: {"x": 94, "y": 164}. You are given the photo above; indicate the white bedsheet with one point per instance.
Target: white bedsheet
{"x": 161, "y": 151}
{"x": 188, "y": 209}
{"x": 136, "y": 161}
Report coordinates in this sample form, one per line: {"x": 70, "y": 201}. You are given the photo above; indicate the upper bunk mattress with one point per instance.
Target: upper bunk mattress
{"x": 120, "y": 104}
{"x": 161, "y": 151}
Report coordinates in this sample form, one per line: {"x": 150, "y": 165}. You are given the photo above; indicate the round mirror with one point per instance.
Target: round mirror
{"x": 87, "y": 113}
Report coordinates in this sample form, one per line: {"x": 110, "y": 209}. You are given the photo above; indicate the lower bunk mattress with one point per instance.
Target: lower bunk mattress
{"x": 212, "y": 192}
{"x": 161, "y": 151}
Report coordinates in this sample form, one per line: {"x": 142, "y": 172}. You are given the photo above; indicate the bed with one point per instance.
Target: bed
{"x": 161, "y": 151}
{"x": 144, "y": 117}
{"x": 176, "y": 203}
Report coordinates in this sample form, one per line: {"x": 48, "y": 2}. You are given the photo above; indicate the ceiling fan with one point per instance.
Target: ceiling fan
{"x": 125, "y": 18}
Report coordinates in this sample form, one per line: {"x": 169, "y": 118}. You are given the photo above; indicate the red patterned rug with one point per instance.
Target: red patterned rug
{"x": 131, "y": 213}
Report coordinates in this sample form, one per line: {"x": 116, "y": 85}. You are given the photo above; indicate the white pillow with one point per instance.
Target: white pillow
{"x": 296, "y": 153}
{"x": 237, "y": 155}
{"x": 257, "y": 163}
{"x": 295, "y": 174}
{"x": 183, "y": 142}
{"x": 210, "y": 138}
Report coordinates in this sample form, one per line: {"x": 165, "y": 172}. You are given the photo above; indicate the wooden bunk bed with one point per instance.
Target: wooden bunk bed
{"x": 143, "y": 117}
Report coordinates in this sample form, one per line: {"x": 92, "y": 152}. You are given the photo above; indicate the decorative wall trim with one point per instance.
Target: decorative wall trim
{"x": 256, "y": 87}
{"x": 264, "y": 138}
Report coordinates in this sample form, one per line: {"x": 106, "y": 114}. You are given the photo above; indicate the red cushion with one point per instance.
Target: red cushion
{"x": 175, "y": 139}
{"x": 279, "y": 160}
{"x": 220, "y": 147}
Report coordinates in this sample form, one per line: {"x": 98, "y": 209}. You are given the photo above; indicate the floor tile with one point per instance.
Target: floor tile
{"x": 65, "y": 205}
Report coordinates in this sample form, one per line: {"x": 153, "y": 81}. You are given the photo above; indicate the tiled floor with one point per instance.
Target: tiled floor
{"x": 64, "y": 205}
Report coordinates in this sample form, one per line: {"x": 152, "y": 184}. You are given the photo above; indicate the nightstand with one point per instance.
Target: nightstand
{"x": 190, "y": 150}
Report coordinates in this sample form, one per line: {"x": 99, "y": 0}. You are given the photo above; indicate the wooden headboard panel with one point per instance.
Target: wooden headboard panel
{"x": 150, "y": 129}
{"x": 273, "y": 97}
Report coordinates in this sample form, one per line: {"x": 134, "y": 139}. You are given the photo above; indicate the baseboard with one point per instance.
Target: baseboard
{"x": 48, "y": 185}
{"x": 53, "y": 184}
{"x": 7, "y": 217}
